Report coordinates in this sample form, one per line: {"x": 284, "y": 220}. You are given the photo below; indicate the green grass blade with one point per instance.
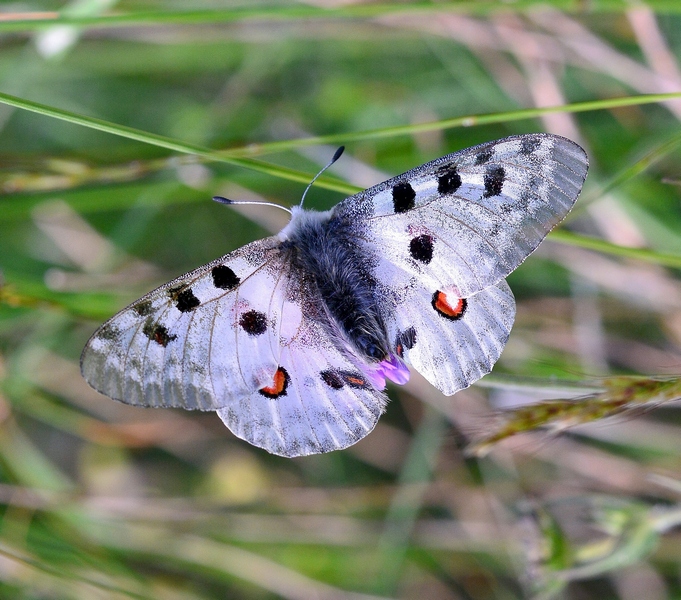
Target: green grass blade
{"x": 237, "y": 156}
{"x": 42, "y": 20}
{"x": 464, "y": 121}
{"x": 169, "y": 143}
{"x": 591, "y": 243}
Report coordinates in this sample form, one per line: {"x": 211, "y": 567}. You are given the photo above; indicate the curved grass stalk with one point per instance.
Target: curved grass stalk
{"x": 618, "y": 395}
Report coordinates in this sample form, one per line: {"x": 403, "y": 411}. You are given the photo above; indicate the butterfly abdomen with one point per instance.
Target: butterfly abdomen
{"x": 325, "y": 251}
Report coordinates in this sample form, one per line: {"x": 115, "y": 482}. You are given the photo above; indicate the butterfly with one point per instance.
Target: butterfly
{"x": 291, "y": 339}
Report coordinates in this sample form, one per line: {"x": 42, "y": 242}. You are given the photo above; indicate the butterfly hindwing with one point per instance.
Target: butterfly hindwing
{"x": 322, "y": 401}
{"x": 453, "y": 341}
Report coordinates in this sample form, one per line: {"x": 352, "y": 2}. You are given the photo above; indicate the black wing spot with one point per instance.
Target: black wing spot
{"x": 483, "y": 157}
{"x": 157, "y": 333}
{"x": 403, "y": 197}
{"x": 279, "y": 386}
{"x": 337, "y": 378}
{"x": 109, "y": 332}
{"x": 529, "y": 145}
{"x": 421, "y": 248}
{"x": 332, "y": 379}
{"x": 224, "y": 278}
{"x": 405, "y": 339}
{"x": 186, "y": 301}
{"x": 253, "y": 322}
{"x": 494, "y": 181}
{"x": 524, "y": 201}
{"x": 143, "y": 308}
{"x": 449, "y": 181}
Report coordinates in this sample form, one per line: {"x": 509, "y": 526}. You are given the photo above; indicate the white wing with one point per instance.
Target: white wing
{"x": 452, "y": 342}
{"x": 241, "y": 335}
{"x": 441, "y": 238}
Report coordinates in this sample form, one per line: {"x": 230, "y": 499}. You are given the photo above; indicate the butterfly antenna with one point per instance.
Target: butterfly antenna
{"x": 336, "y": 156}
{"x": 229, "y": 202}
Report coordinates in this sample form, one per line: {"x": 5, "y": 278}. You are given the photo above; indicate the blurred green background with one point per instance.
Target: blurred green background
{"x": 102, "y": 500}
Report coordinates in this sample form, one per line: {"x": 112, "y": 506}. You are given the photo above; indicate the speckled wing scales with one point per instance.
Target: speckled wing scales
{"x": 453, "y": 342}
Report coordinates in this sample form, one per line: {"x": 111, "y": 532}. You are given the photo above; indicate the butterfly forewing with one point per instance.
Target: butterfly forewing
{"x": 473, "y": 216}
{"x": 194, "y": 342}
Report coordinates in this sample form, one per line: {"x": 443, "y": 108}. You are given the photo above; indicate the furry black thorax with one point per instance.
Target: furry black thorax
{"x": 327, "y": 252}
